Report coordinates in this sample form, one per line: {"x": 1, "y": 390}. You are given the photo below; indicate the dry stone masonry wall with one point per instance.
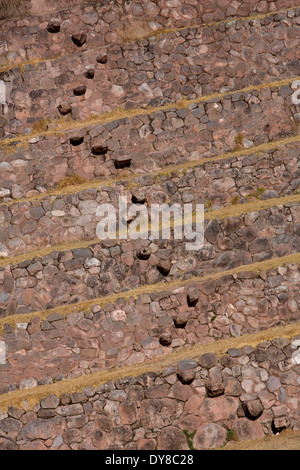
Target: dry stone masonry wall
{"x": 28, "y": 225}
{"x": 106, "y": 22}
{"x": 154, "y": 72}
{"x": 127, "y": 331}
{"x": 146, "y": 143}
{"x": 110, "y": 344}
{"x": 104, "y": 268}
{"x": 245, "y": 394}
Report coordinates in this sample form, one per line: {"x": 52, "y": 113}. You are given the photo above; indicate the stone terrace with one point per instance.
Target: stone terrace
{"x": 156, "y": 71}
{"x": 127, "y": 331}
{"x": 252, "y": 390}
{"x": 127, "y": 344}
{"x": 71, "y": 276}
{"x": 106, "y": 22}
{"x": 141, "y": 143}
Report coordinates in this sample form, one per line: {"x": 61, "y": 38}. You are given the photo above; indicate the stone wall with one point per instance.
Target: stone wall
{"x": 141, "y": 143}
{"x": 156, "y": 71}
{"x": 115, "y": 265}
{"x": 155, "y": 103}
{"x": 245, "y": 394}
{"x": 146, "y": 326}
{"x": 105, "y": 22}
{"x": 234, "y": 180}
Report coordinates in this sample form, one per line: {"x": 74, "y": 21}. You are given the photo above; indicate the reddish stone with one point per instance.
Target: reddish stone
{"x": 128, "y": 412}
{"x": 171, "y": 438}
{"x": 10, "y": 428}
{"x": 219, "y": 408}
{"x": 193, "y": 404}
{"x": 7, "y": 444}
{"x": 253, "y": 409}
{"x": 189, "y": 422}
{"x": 159, "y": 413}
{"x": 180, "y": 392}
{"x": 232, "y": 387}
{"x": 37, "y": 445}
{"x": 209, "y": 437}
{"x": 157, "y": 391}
{"x": 146, "y": 444}
{"x": 248, "y": 430}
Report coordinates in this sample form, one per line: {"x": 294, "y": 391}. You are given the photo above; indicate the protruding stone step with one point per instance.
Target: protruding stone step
{"x": 193, "y": 297}
{"x": 99, "y": 150}
{"x": 102, "y": 58}
{"x": 164, "y": 267}
{"x": 90, "y": 74}
{"x": 123, "y": 161}
{"x": 80, "y": 90}
{"x": 54, "y": 26}
{"x": 76, "y": 141}
{"x": 79, "y": 39}
{"x": 64, "y": 109}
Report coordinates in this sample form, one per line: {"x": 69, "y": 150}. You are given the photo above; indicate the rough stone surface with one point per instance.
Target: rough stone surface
{"x": 97, "y": 104}
{"x": 132, "y": 412}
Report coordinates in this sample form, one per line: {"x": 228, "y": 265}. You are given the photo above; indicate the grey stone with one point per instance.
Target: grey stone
{"x": 273, "y": 383}
{"x": 187, "y": 364}
{"x": 208, "y": 360}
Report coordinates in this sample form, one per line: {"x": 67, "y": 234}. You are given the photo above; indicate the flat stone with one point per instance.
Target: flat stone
{"x": 57, "y": 443}
{"x": 187, "y": 364}
{"x": 58, "y": 213}
{"x": 26, "y": 384}
{"x": 275, "y": 354}
{"x": 249, "y": 430}
{"x": 235, "y": 352}
{"x": 208, "y": 360}
{"x": 37, "y": 429}
{"x": 10, "y": 428}
{"x": 50, "y": 402}
{"x": 37, "y": 212}
{"x": 273, "y": 383}
{"x": 70, "y": 410}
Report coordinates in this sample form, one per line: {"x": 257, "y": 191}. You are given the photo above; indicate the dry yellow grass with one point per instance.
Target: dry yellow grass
{"x": 133, "y": 30}
{"x": 22, "y": 65}
{"x": 40, "y": 126}
{"x": 72, "y": 180}
{"x": 136, "y": 30}
{"x": 287, "y": 440}
{"x": 237, "y": 210}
